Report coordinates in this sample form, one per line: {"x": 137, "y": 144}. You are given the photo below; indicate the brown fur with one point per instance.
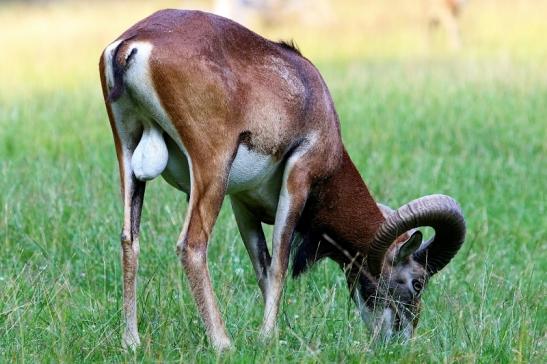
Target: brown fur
{"x": 342, "y": 207}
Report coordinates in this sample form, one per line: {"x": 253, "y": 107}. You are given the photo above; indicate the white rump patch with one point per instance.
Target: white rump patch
{"x": 151, "y": 156}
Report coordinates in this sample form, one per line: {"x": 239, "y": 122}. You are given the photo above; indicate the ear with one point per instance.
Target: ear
{"x": 409, "y": 247}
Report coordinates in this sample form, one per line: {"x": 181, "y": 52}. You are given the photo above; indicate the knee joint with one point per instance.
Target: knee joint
{"x": 192, "y": 254}
{"x": 125, "y": 239}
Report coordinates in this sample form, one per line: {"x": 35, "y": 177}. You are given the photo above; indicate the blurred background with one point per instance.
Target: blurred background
{"x": 434, "y": 96}
{"x": 54, "y": 44}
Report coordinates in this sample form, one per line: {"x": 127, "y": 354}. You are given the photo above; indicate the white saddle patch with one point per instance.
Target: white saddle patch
{"x": 150, "y": 157}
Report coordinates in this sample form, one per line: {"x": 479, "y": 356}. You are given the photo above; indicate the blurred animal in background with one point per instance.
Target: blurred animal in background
{"x": 445, "y": 13}
{"x": 274, "y": 12}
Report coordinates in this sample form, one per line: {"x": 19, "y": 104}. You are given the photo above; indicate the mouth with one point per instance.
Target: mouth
{"x": 396, "y": 321}
{"x": 389, "y": 316}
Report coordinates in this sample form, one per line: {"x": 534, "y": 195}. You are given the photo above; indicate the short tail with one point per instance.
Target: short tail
{"x": 119, "y": 66}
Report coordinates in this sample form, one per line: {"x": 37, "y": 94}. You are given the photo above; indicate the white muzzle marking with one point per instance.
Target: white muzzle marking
{"x": 150, "y": 157}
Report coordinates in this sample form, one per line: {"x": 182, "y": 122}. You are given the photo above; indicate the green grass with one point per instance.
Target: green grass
{"x": 473, "y": 126}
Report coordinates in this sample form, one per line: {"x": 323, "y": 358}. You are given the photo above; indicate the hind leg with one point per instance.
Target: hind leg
{"x": 133, "y": 200}
{"x": 127, "y": 131}
{"x": 208, "y": 186}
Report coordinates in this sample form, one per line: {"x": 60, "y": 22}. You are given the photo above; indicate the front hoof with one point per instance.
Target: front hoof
{"x": 130, "y": 341}
{"x": 222, "y": 344}
{"x": 267, "y": 332}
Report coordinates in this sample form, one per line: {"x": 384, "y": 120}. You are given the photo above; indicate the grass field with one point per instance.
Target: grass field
{"x": 416, "y": 120}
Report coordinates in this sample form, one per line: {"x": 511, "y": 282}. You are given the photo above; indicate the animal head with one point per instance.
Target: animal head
{"x": 388, "y": 293}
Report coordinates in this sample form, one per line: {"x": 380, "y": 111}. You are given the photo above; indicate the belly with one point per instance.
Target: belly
{"x": 254, "y": 179}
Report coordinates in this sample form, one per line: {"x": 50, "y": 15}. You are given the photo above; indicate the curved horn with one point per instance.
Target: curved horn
{"x": 440, "y": 212}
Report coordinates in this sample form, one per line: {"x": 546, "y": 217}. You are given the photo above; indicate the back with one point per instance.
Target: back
{"x": 211, "y": 68}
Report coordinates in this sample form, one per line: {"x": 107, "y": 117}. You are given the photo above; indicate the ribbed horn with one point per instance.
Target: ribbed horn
{"x": 440, "y": 212}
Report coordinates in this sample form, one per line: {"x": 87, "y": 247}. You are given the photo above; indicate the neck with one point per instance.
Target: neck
{"x": 342, "y": 208}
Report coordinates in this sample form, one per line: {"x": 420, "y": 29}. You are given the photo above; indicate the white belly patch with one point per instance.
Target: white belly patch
{"x": 250, "y": 169}
{"x": 150, "y": 157}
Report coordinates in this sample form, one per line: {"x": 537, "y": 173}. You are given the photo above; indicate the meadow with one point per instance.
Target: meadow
{"x": 416, "y": 119}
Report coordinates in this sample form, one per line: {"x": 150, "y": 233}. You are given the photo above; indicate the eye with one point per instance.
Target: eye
{"x": 400, "y": 281}
{"x": 417, "y": 285}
